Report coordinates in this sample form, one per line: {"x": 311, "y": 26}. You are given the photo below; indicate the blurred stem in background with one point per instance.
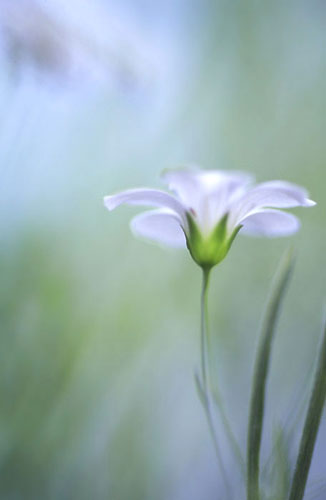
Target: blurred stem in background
{"x": 257, "y": 405}
{"x": 256, "y": 416}
{"x": 311, "y": 426}
{"x": 258, "y": 388}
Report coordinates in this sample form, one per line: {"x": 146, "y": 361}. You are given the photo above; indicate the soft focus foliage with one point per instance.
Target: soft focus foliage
{"x": 99, "y": 332}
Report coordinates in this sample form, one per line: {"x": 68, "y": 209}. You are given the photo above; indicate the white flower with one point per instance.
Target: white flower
{"x": 209, "y": 207}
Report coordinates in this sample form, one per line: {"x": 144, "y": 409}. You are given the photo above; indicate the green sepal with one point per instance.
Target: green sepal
{"x": 209, "y": 250}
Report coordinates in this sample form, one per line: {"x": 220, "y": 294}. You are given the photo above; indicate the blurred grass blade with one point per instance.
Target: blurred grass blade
{"x": 229, "y": 431}
{"x": 201, "y": 394}
{"x": 311, "y": 425}
{"x": 258, "y": 387}
{"x": 281, "y": 466}
{"x": 204, "y": 399}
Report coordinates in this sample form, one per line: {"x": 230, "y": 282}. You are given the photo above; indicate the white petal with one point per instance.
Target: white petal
{"x": 281, "y": 194}
{"x": 184, "y": 183}
{"x": 207, "y": 193}
{"x": 273, "y": 194}
{"x": 222, "y": 190}
{"x": 216, "y": 180}
{"x": 146, "y": 197}
{"x": 163, "y": 226}
{"x": 192, "y": 183}
{"x": 270, "y": 223}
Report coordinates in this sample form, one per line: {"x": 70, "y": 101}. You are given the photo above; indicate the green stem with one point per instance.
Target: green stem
{"x": 203, "y": 327}
{"x": 203, "y": 385}
{"x": 206, "y": 375}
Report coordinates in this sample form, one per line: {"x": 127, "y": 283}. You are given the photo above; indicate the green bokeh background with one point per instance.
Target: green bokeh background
{"x": 100, "y": 331}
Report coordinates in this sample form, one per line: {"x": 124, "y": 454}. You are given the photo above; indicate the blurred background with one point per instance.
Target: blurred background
{"x": 99, "y": 331}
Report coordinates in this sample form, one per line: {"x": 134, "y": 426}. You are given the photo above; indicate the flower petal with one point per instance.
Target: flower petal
{"x": 269, "y": 222}
{"x": 184, "y": 183}
{"x": 207, "y": 193}
{"x": 146, "y": 197}
{"x": 273, "y": 194}
{"x": 190, "y": 184}
{"x": 163, "y": 226}
{"x": 279, "y": 194}
{"x": 223, "y": 188}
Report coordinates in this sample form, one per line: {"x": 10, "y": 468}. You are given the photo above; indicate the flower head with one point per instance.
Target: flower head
{"x": 209, "y": 207}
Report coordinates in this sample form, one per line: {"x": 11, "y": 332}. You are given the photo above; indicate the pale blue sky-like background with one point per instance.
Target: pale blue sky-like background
{"x": 99, "y": 331}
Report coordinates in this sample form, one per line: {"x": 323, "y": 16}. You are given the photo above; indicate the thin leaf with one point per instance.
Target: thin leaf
{"x": 311, "y": 425}
{"x": 200, "y": 391}
{"x": 229, "y": 431}
{"x": 282, "y": 468}
{"x": 256, "y": 416}
{"x": 295, "y": 414}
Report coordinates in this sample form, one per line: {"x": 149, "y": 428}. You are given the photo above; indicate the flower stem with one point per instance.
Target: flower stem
{"x": 203, "y": 326}
{"x": 203, "y": 384}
